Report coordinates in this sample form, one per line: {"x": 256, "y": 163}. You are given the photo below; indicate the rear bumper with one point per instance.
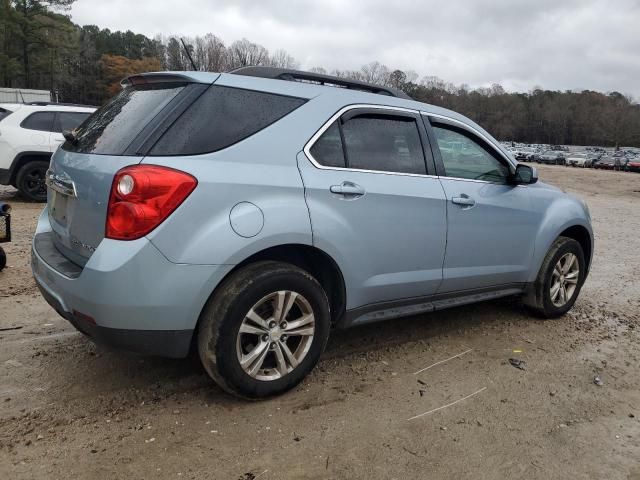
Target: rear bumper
{"x": 165, "y": 343}
{"x": 127, "y": 295}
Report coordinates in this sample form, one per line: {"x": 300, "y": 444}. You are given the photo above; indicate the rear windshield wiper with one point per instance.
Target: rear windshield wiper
{"x": 70, "y": 136}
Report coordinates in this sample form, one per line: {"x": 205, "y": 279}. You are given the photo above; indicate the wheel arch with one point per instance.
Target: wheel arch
{"x": 309, "y": 258}
{"x": 22, "y": 159}
{"x": 581, "y": 235}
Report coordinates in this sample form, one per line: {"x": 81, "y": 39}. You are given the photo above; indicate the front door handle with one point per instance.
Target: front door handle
{"x": 348, "y": 189}
{"x": 463, "y": 200}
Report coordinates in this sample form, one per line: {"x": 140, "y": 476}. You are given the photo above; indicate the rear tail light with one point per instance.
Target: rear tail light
{"x": 142, "y": 197}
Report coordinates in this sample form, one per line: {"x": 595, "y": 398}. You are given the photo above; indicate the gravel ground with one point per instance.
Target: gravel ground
{"x": 70, "y": 409}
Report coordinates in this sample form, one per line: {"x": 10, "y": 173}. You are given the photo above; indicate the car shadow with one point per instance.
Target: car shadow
{"x": 107, "y": 371}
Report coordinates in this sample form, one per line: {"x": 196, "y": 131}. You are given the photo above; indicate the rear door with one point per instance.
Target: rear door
{"x": 374, "y": 205}
{"x": 82, "y": 171}
{"x": 492, "y": 224}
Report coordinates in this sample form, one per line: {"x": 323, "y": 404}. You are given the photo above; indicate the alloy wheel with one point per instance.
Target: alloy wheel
{"x": 564, "y": 279}
{"x": 275, "y": 335}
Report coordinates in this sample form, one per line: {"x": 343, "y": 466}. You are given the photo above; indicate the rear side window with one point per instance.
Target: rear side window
{"x": 221, "y": 117}
{"x": 328, "y": 149}
{"x": 111, "y": 129}
{"x": 383, "y": 143}
{"x": 42, "y": 121}
{"x": 69, "y": 120}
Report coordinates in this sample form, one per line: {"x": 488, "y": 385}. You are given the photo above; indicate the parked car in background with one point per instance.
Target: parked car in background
{"x": 526, "y": 154}
{"x": 581, "y": 159}
{"x": 633, "y": 165}
{"x": 249, "y": 213}
{"x": 606, "y": 162}
{"x": 552, "y": 157}
{"x": 29, "y": 134}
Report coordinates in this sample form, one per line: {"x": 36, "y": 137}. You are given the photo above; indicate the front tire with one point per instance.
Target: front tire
{"x": 264, "y": 329}
{"x": 30, "y": 180}
{"x": 559, "y": 280}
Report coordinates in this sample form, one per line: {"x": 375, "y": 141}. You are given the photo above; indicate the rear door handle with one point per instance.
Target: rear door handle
{"x": 463, "y": 200}
{"x": 348, "y": 189}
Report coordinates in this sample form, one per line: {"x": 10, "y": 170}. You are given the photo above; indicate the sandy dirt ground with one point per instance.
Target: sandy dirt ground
{"x": 70, "y": 409}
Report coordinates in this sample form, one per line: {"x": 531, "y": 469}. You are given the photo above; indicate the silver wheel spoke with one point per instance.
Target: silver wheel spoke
{"x": 303, "y": 332}
{"x": 292, "y": 359}
{"x": 255, "y": 358}
{"x": 555, "y": 290}
{"x": 278, "y": 307}
{"x": 282, "y": 363}
{"x": 257, "y": 319}
{"x": 289, "y": 302}
{"x": 568, "y": 263}
{"x": 300, "y": 322}
{"x": 248, "y": 328}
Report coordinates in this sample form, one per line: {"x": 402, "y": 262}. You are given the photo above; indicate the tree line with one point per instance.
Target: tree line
{"x": 41, "y": 48}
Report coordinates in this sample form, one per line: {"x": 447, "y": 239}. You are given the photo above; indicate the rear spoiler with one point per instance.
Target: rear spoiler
{"x": 169, "y": 77}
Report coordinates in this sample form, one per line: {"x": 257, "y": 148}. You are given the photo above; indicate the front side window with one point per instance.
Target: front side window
{"x": 42, "y": 121}
{"x": 464, "y": 157}
{"x": 383, "y": 143}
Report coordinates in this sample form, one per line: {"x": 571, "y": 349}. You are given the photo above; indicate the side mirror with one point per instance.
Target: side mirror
{"x": 525, "y": 175}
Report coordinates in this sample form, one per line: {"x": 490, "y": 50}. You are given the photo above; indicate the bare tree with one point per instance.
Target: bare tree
{"x": 281, "y": 59}
{"x": 243, "y": 53}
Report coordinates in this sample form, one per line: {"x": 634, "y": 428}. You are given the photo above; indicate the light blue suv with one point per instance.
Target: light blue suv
{"x": 247, "y": 214}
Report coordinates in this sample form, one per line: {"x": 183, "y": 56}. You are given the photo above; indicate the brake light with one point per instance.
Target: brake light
{"x": 142, "y": 197}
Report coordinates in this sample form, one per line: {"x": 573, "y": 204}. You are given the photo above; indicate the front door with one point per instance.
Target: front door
{"x": 373, "y": 206}
{"x": 491, "y": 223}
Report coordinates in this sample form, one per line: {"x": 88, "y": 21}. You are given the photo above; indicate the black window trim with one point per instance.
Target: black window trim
{"x": 368, "y": 109}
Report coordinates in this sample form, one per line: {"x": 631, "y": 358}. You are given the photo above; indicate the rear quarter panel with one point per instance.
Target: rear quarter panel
{"x": 262, "y": 170}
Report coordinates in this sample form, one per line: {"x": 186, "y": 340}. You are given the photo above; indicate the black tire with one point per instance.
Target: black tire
{"x": 30, "y": 180}
{"x": 538, "y": 299}
{"x": 225, "y": 311}
{"x": 3, "y": 259}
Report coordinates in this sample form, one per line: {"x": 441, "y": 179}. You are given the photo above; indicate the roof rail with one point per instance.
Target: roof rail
{"x": 44, "y": 104}
{"x": 318, "y": 78}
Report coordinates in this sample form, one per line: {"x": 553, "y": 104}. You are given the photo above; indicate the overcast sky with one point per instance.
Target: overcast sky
{"x": 556, "y": 44}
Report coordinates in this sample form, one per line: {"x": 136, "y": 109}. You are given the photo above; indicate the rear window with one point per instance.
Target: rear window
{"x": 42, "y": 121}
{"x": 221, "y": 117}
{"x": 111, "y": 129}
{"x": 69, "y": 120}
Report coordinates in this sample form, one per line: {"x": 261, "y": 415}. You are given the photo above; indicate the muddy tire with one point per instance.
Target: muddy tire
{"x": 30, "y": 180}
{"x": 264, "y": 329}
{"x": 3, "y": 259}
{"x": 559, "y": 280}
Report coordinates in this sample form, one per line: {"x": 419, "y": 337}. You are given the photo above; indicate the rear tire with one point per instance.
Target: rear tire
{"x": 559, "y": 280}
{"x": 242, "y": 321}
{"x": 30, "y": 180}
{"x": 3, "y": 259}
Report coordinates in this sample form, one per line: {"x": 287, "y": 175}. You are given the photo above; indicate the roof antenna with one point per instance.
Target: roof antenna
{"x": 193, "y": 64}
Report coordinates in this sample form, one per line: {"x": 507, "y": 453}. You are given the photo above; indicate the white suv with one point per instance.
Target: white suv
{"x": 29, "y": 134}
